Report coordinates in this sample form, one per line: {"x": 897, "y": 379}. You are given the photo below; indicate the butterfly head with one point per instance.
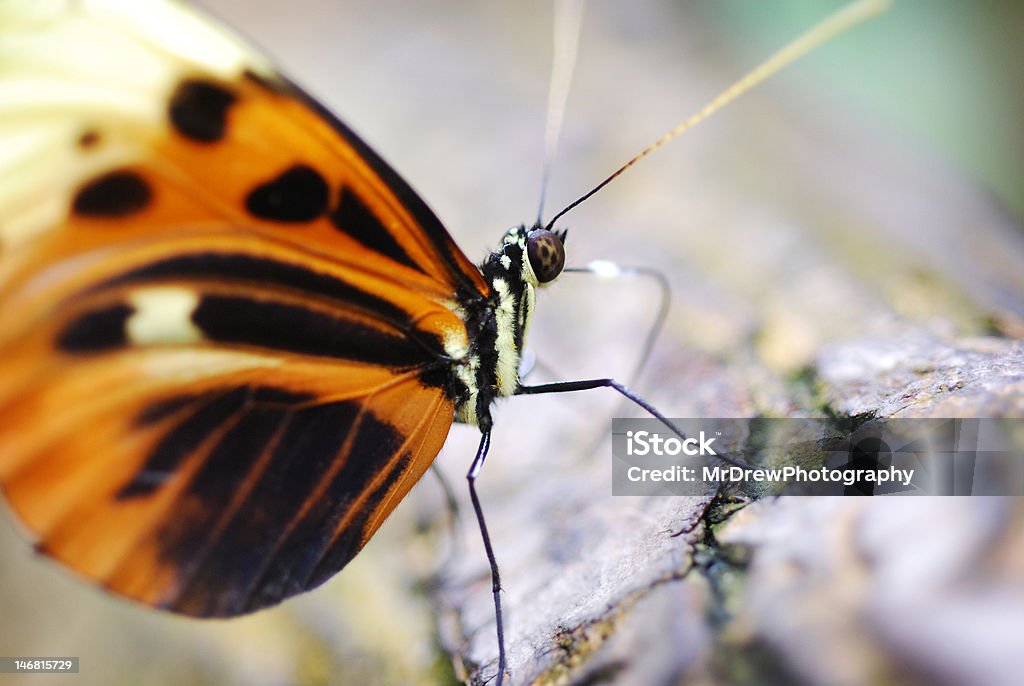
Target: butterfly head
{"x": 528, "y": 258}
{"x": 538, "y": 254}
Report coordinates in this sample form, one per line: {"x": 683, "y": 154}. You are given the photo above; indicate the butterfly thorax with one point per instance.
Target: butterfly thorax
{"x": 496, "y": 325}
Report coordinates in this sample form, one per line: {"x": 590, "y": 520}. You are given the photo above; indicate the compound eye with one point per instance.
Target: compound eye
{"x": 546, "y": 254}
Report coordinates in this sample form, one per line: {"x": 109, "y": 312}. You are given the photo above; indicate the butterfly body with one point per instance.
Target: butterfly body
{"x": 233, "y": 338}
{"x": 527, "y": 259}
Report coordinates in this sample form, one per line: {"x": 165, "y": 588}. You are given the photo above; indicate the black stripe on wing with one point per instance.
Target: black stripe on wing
{"x": 354, "y": 218}
{"x": 242, "y": 300}
{"x": 201, "y": 415}
{"x": 292, "y": 328}
{"x": 433, "y": 229}
{"x": 266, "y": 323}
{"x": 251, "y": 528}
{"x": 261, "y": 271}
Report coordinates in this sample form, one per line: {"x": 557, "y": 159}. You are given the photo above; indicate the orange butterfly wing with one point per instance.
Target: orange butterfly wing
{"x": 225, "y": 498}
{"x": 229, "y": 343}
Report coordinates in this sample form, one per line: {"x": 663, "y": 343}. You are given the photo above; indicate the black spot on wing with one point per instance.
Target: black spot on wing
{"x": 355, "y": 219}
{"x": 181, "y": 441}
{"x": 431, "y": 226}
{"x": 199, "y": 110}
{"x": 292, "y": 328}
{"x": 118, "y": 194}
{"x": 89, "y": 139}
{"x": 265, "y": 272}
{"x": 298, "y": 194}
{"x": 96, "y": 331}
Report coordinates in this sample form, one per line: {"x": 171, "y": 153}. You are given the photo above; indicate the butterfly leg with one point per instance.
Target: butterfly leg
{"x": 589, "y": 384}
{"x": 608, "y": 271}
{"x": 604, "y": 269}
{"x": 471, "y": 475}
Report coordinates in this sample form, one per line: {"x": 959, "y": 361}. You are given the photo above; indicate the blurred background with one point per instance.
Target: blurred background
{"x": 876, "y": 185}
{"x": 945, "y": 75}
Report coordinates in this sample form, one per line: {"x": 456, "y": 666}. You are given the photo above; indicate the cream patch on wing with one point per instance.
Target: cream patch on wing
{"x": 163, "y": 315}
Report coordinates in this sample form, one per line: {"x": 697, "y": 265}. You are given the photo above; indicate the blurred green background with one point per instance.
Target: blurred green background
{"x": 946, "y": 74}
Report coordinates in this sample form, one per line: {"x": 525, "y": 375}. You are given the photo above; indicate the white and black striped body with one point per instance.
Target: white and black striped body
{"x": 496, "y": 327}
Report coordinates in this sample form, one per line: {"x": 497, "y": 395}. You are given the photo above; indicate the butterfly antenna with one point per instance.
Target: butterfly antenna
{"x": 840, "y": 21}
{"x": 566, "y": 38}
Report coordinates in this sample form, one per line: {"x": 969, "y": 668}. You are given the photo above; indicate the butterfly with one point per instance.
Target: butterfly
{"x": 237, "y": 337}
{"x": 233, "y": 337}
